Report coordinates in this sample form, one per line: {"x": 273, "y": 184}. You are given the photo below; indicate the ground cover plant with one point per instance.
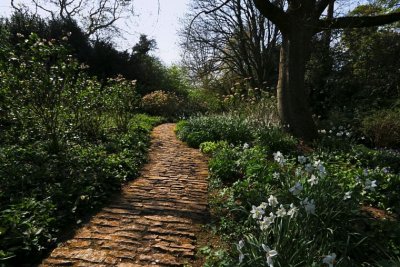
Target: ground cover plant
{"x": 322, "y": 206}
{"x": 67, "y": 142}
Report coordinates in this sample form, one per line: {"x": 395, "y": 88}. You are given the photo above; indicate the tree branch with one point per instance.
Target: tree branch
{"x": 358, "y": 22}
{"x": 273, "y": 13}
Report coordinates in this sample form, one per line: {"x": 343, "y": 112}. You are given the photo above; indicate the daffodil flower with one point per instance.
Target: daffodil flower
{"x": 298, "y": 172}
{"x": 257, "y": 212}
{"x": 302, "y": 159}
{"x": 278, "y": 157}
{"x": 281, "y": 212}
{"x": 347, "y": 195}
{"x": 269, "y": 253}
{"x": 273, "y": 201}
{"x": 309, "y": 168}
{"x": 240, "y": 245}
{"x": 309, "y": 205}
{"x": 329, "y": 259}
{"x": 296, "y": 189}
{"x": 313, "y": 180}
{"x": 370, "y": 185}
{"x": 292, "y": 211}
{"x": 263, "y": 205}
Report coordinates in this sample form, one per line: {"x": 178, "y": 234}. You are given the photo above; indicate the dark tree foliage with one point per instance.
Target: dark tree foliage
{"x": 359, "y": 72}
{"x": 103, "y": 59}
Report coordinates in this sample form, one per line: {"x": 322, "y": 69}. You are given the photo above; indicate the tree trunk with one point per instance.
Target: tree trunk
{"x": 293, "y": 104}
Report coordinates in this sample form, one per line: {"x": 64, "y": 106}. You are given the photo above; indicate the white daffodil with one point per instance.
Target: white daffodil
{"x": 319, "y": 166}
{"x": 276, "y": 175}
{"x": 347, "y": 195}
{"x": 278, "y": 157}
{"x": 317, "y": 163}
{"x": 302, "y": 159}
{"x": 281, "y": 212}
{"x": 265, "y": 223}
{"x": 309, "y": 168}
{"x": 257, "y": 212}
{"x": 309, "y": 206}
{"x": 370, "y": 185}
{"x": 296, "y": 189}
{"x": 240, "y": 245}
{"x": 292, "y": 211}
{"x": 329, "y": 259}
{"x": 269, "y": 253}
{"x": 241, "y": 257}
{"x": 313, "y": 180}
{"x": 298, "y": 172}
{"x": 273, "y": 201}
{"x": 385, "y": 170}
{"x": 272, "y": 216}
{"x": 246, "y": 146}
{"x": 263, "y": 205}
{"x": 322, "y": 172}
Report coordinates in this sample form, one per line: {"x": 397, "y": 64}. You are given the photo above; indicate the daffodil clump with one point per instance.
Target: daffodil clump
{"x": 308, "y": 218}
{"x": 278, "y": 205}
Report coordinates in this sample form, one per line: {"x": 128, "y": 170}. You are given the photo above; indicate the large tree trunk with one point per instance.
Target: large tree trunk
{"x": 293, "y": 104}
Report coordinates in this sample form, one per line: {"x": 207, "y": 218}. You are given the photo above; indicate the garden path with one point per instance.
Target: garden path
{"x": 154, "y": 222}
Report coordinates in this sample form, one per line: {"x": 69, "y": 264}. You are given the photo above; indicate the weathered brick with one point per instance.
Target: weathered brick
{"x": 154, "y": 221}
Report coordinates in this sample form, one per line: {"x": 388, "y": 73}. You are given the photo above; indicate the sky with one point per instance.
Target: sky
{"x": 158, "y": 19}
{"x": 161, "y": 22}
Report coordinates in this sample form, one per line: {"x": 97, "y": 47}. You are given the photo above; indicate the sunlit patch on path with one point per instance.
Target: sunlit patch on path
{"x": 154, "y": 221}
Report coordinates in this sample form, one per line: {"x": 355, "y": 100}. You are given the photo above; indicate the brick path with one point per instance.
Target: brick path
{"x": 154, "y": 221}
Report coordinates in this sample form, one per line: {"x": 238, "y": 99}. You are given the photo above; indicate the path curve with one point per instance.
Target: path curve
{"x": 154, "y": 221}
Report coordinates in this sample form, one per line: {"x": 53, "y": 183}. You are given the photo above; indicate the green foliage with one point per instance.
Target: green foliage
{"x": 67, "y": 142}
{"x": 215, "y": 258}
{"x": 232, "y": 129}
{"x": 27, "y": 225}
{"x": 358, "y": 73}
{"x": 224, "y": 165}
{"x": 211, "y": 147}
{"x": 371, "y": 158}
{"x": 320, "y": 198}
{"x": 201, "y": 100}
{"x": 275, "y": 139}
{"x": 383, "y": 128}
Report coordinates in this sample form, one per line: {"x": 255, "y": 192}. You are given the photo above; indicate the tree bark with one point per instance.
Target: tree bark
{"x": 293, "y": 104}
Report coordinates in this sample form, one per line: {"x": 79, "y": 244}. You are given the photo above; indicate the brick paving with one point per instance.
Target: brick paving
{"x": 154, "y": 221}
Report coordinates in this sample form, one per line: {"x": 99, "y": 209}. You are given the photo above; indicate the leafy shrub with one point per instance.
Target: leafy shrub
{"x": 275, "y": 139}
{"x": 76, "y": 180}
{"x": 200, "y": 100}
{"x": 224, "y": 165}
{"x": 161, "y": 103}
{"x": 370, "y": 158}
{"x": 383, "y": 128}
{"x": 231, "y": 129}
{"x": 27, "y": 225}
{"x": 211, "y": 147}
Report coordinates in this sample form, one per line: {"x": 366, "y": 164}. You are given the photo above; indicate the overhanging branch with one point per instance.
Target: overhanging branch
{"x": 358, "y": 22}
{"x": 273, "y": 13}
